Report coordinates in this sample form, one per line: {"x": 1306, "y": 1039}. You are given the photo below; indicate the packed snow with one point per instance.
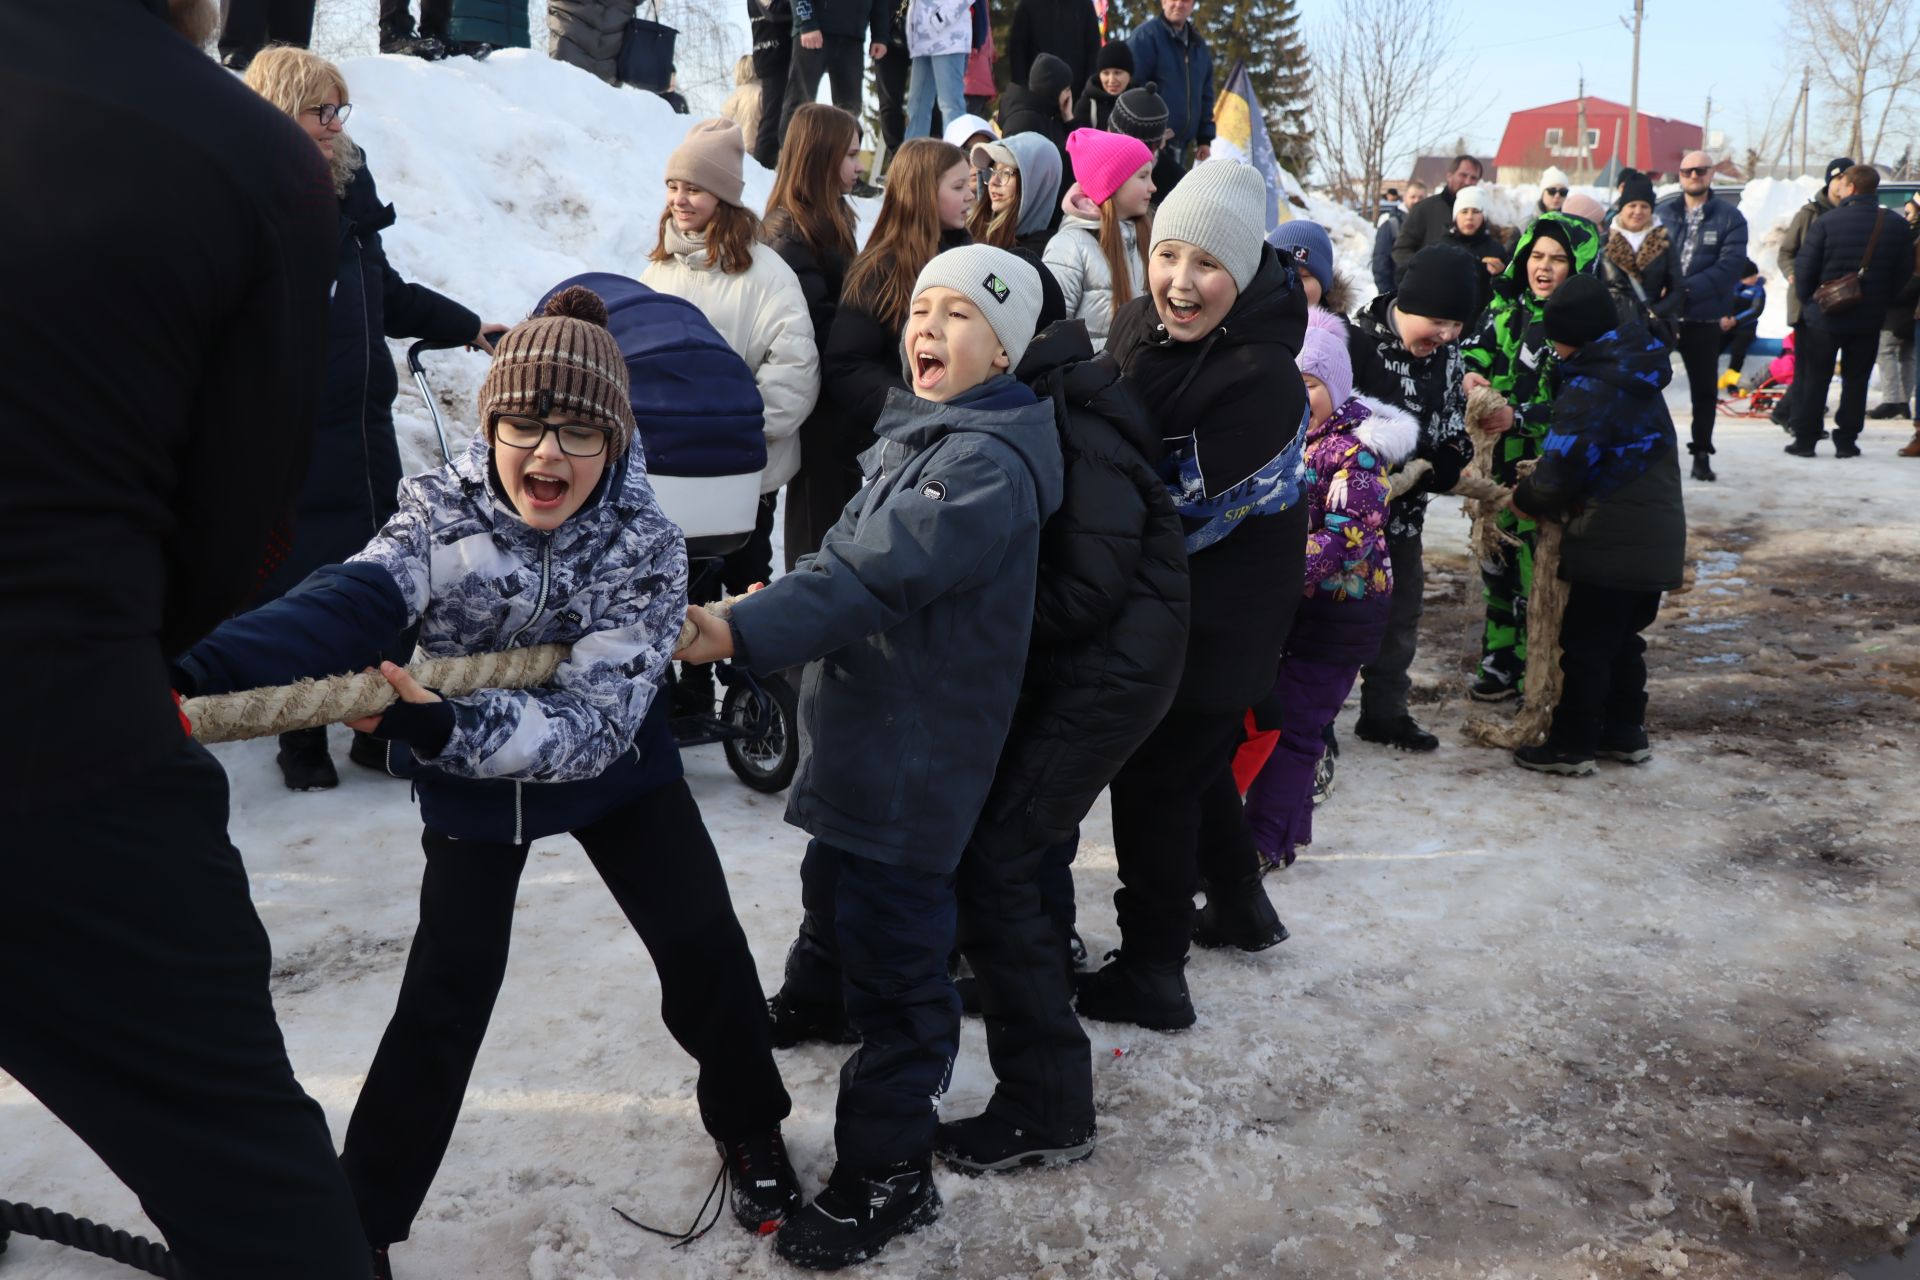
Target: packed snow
{"x": 1658, "y": 1022}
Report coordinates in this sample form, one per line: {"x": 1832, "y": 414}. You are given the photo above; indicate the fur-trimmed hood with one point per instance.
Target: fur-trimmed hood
{"x": 1390, "y": 432}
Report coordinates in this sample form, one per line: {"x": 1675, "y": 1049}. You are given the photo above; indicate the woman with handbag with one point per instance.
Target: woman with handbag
{"x": 1641, "y": 263}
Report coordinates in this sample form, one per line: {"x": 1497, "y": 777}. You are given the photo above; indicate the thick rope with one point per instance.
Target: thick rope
{"x": 80, "y": 1233}
{"x": 1487, "y": 543}
{"x": 1546, "y": 609}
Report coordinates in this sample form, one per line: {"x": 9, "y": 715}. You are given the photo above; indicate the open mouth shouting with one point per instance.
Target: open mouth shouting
{"x": 929, "y": 369}
{"x": 545, "y": 490}
{"x": 1182, "y": 311}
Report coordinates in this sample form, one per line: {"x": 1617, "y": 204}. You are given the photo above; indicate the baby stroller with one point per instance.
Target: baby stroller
{"x": 699, "y": 415}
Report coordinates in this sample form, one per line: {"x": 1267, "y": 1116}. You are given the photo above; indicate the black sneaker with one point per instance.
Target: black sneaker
{"x": 304, "y": 761}
{"x": 765, "y": 1192}
{"x": 1323, "y": 779}
{"x": 797, "y": 1023}
{"x": 1239, "y": 916}
{"x": 1887, "y": 409}
{"x": 475, "y": 49}
{"x": 426, "y": 48}
{"x": 1147, "y": 993}
{"x": 857, "y": 1213}
{"x": 382, "y": 1268}
{"x": 1548, "y": 758}
{"x": 1799, "y": 450}
{"x": 1847, "y": 450}
{"x": 1702, "y": 469}
{"x": 1493, "y": 685}
{"x": 1404, "y": 733}
{"x": 987, "y": 1144}
{"x": 1626, "y": 746}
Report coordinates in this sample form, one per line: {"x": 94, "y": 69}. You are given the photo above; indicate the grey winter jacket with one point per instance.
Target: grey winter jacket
{"x": 589, "y": 33}
{"x": 1086, "y": 282}
{"x": 913, "y": 620}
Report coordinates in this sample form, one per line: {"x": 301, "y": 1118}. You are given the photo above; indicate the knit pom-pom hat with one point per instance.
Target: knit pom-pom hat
{"x": 1323, "y": 353}
{"x": 1104, "y": 161}
{"x": 562, "y": 361}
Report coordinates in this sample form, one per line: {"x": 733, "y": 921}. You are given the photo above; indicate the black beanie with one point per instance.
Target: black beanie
{"x": 1580, "y": 311}
{"x": 1442, "y": 283}
{"x": 1553, "y": 229}
{"x": 1114, "y": 54}
{"x": 1048, "y": 76}
{"x": 1638, "y": 187}
{"x": 1837, "y": 166}
{"x": 1141, "y": 113}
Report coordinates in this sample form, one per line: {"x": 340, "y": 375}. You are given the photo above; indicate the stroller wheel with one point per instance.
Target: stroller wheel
{"x": 766, "y": 716}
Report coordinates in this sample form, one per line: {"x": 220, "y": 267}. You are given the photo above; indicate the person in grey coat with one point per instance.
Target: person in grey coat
{"x": 913, "y": 621}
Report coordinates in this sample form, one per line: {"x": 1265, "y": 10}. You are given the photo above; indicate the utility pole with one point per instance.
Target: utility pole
{"x": 1580, "y": 123}
{"x": 1806, "y": 112}
{"x": 1633, "y": 103}
{"x": 1706, "y": 124}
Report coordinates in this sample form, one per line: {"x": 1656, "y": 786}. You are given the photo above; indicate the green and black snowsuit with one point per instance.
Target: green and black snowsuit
{"x": 1510, "y": 349}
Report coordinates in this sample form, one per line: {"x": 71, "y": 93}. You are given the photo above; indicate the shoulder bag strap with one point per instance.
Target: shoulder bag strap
{"x": 1873, "y": 240}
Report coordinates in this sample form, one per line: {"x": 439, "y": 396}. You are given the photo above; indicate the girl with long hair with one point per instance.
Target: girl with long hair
{"x": 709, "y": 253}
{"x": 811, "y": 225}
{"x": 1099, "y": 255}
{"x": 1023, "y": 184}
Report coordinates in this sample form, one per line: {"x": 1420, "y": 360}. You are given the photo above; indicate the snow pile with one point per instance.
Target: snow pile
{"x": 1769, "y": 205}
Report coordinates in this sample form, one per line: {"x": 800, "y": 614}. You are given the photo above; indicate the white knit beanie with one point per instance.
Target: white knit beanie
{"x": 1221, "y": 207}
{"x": 1555, "y": 176}
{"x": 1006, "y": 290}
{"x": 1470, "y": 198}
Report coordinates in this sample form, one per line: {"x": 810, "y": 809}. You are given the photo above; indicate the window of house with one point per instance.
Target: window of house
{"x": 1553, "y": 137}
{"x": 1593, "y": 138}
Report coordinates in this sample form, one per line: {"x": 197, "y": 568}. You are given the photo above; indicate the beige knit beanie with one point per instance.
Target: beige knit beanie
{"x": 713, "y": 158}
{"x": 563, "y": 360}
{"x": 1221, "y": 207}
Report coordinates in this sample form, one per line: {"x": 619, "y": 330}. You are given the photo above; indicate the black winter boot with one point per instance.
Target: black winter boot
{"x": 1702, "y": 469}
{"x": 765, "y": 1192}
{"x": 1147, "y": 993}
{"x": 1547, "y": 758}
{"x": 796, "y": 1023}
{"x": 987, "y": 1144}
{"x": 304, "y": 761}
{"x": 1626, "y": 744}
{"x": 1404, "y": 733}
{"x": 1239, "y": 916}
{"x": 858, "y": 1212}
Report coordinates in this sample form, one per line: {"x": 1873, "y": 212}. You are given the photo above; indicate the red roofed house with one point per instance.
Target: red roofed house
{"x": 1550, "y": 135}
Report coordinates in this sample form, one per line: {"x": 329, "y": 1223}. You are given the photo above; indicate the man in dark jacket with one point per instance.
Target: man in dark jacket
{"x": 1044, "y": 105}
{"x": 1393, "y": 215}
{"x": 1429, "y": 221}
{"x": 1791, "y": 241}
{"x": 1858, "y": 236}
{"x": 1067, "y": 29}
{"x": 1610, "y": 469}
{"x": 833, "y": 38}
{"x": 1170, "y": 51}
{"x": 161, "y": 359}
{"x": 248, "y": 26}
{"x": 1712, "y": 238}
{"x": 771, "y": 24}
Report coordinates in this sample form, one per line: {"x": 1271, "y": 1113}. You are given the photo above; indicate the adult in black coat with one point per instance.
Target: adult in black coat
{"x": 1859, "y": 235}
{"x": 1067, "y": 29}
{"x": 1640, "y": 263}
{"x": 1427, "y": 222}
{"x": 827, "y": 478}
{"x": 161, "y": 361}
{"x": 1237, "y": 396}
{"x": 1109, "y": 639}
{"x": 1033, "y": 105}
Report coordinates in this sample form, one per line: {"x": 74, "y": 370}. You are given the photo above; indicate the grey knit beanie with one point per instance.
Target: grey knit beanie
{"x": 1221, "y": 207}
{"x": 1006, "y": 290}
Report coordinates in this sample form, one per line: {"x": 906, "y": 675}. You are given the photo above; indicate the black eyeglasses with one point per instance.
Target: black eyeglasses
{"x": 526, "y": 433}
{"x": 328, "y": 112}
{"x": 1556, "y": 191}
{"x": 1695, "y": 171}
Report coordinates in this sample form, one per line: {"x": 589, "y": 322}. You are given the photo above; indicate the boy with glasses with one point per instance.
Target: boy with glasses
{"x": 1712, "y": 236}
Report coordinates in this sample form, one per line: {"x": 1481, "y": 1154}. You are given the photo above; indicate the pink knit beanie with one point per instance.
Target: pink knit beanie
{"x": 1102, "y": 161}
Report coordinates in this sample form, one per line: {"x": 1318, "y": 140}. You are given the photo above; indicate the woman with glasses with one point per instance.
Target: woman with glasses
{"x": 354, "y": 472}
{"x": 1555, "y": 187}
{"x": 545, "y": 531}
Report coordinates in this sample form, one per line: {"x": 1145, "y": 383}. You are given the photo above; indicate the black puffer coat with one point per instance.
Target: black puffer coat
{"x": 353, "y": 481}
{"x": 1110, "y": 610}
{"x": 1238, "y": 392}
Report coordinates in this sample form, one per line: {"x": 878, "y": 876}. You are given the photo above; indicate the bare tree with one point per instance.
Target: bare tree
{"x": 1866, "y": 55}
{"x": 1376, "y": 93}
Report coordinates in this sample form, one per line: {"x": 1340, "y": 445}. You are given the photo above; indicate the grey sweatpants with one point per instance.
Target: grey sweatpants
{"x": 1385, "y": 682}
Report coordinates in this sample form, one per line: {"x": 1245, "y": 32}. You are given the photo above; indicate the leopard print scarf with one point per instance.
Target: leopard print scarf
{"x": 1621, "y": 254}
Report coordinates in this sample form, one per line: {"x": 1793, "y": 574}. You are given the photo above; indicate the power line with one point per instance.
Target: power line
{"x": 1558, "y": 35}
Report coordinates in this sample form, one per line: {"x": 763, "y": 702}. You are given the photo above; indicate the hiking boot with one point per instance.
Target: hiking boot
{"x": 1493, "y": 685}
{"x": 765, "y": 1192}
{"x": 1702, "y": 469}
{"x": 1239, "y": 916}
{"x": 426, "y": 48}
{"x": 987, "y": 1144}
{"x": 368, "y": 752}
{"x": 796, "y": 1022}
{"x": 1799, "y": 450}
{"x": 858, "y": 1212}
{"x": 382, "y": 1268}
{"x": 1626, "y": 745}
{"x": 1847, "y": 450}
{"x": 475, "y": 49}
{"x": 1403, "y": 733}
{"x": 1323, "y": 779}
{"x": 304, "y": 762}
{"x": 1147, "y": 993}
{"x": 1912, "y": 448}
{"x": 1548, "y": 758}
{"x": 1887, "y": 409}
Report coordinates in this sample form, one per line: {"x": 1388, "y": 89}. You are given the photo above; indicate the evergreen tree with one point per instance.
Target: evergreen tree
{"x": 1266, "y": 33}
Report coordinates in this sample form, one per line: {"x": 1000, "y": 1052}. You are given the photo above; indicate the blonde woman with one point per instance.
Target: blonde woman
{"x": 353, "y": 478}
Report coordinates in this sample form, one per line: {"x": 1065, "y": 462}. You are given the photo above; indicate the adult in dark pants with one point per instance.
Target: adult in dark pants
{"x": 1712, "y": 238}
{"x": 137, "y": 1003}
{"x": 248, "y": 26}
{"x": 399, "y": 35}
{"x": 1858, "y": 236}
{"x": 833, "y": 38}
{"x": 771, "y": 25}
{"x": 1791, "y": 241}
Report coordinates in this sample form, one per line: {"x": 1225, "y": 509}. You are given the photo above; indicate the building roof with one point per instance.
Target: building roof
{"x": 1524, "y": 145}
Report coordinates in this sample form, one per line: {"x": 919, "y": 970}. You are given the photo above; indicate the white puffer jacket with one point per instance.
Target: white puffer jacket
{"x": 1074, "y": 257}
{"x": 762, "y": 314}
{"x": 936, "y": 27}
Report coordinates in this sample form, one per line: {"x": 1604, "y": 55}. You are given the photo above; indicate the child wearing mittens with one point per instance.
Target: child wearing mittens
{"x": 1351, "y": 443}
{"x": 1099, "y": 255}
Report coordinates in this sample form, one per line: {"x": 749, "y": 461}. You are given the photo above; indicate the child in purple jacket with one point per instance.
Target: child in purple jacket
{"x": 1351, "y": 442}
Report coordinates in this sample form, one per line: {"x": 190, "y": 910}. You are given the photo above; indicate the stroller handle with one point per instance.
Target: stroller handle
{"x": 426, "y": 392}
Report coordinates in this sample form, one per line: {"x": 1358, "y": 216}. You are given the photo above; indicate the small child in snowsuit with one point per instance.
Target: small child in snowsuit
{"x": 1351, "y": 443}
{"x": 546, "y": 531}
{"x": 1750, "y": 299}
{"x": 1610, "y": 468}
{"x": 913, "y": 622}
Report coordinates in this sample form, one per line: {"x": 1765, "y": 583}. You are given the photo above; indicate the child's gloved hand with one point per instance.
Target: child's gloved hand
{"x": 712, "y": 639}
{"x": 409, "y": 689}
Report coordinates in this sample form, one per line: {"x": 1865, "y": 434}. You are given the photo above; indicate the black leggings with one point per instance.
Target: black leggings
{"x": 656, "y": 857}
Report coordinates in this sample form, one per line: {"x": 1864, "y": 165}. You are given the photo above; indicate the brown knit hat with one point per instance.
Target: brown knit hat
{"x": 713, "y": 158}
{"x": 562, "y": 360}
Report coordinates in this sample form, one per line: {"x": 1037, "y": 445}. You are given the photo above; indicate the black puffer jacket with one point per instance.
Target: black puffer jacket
{"x": 1110, "y": 611}
{"x": 1428, "y": 387}
{"x": 1239, "y": 394}
{"x": 353, "y": 483}
{"x": 1838, "y": 244}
